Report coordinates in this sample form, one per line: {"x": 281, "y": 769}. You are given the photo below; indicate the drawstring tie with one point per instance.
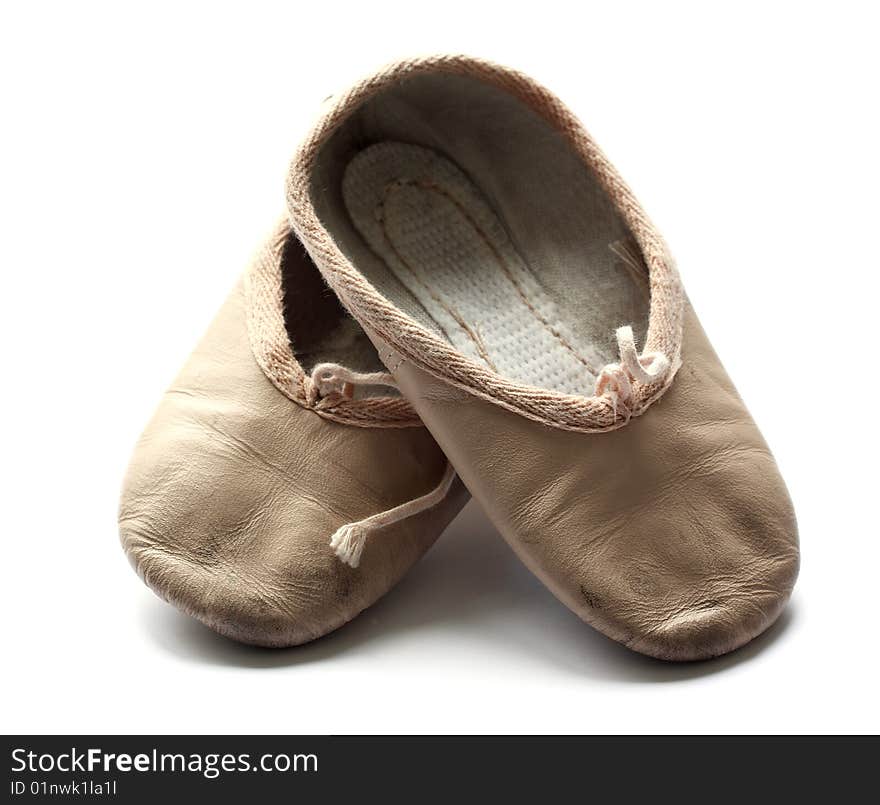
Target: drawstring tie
{"x": 616, "y": 379}
{"x": 349, "y": 540}
{"x": 331, "y": 381}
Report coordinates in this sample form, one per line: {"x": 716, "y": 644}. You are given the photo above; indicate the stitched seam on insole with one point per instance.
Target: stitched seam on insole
{"x": 474, "y": 336}
{"x": 502, "y": 263}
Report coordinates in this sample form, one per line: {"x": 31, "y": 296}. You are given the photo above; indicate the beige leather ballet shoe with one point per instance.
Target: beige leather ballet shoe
{"x": 506, "y": 274}
{"x": 283, "y": 485}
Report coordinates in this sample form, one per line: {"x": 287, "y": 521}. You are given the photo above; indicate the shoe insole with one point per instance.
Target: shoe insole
{"x": 439, "y": 236}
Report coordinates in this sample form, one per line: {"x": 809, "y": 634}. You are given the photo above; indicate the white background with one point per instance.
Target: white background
{"x": 143, "y": 158}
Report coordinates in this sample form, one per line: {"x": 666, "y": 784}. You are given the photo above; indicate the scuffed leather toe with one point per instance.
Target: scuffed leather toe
{"x": 708, "y": 629}
{"x": 253, "y": 564}
{"x": 726, "y": 600}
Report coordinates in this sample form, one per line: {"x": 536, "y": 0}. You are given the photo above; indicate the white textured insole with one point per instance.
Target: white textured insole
{"x": 441, "y": 239}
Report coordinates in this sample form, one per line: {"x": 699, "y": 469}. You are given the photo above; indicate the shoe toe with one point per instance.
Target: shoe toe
{"x": 717, "y": 584}
{"x": 229, "y": 516}
{"x": 228, "y": 540}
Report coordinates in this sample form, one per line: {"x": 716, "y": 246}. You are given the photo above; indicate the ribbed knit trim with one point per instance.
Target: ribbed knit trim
{"x": 413, "y": 342}
{"x": 270, "y": 343}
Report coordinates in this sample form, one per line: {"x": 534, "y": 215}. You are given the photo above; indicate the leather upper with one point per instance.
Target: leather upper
{"x": 674, "y": 535}
{"x": 234, "y": 491}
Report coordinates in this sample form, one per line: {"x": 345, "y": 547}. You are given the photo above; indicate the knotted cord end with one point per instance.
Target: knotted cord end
{"x": 616, "y": 380}
{"x": 333, "y": 380}
{"x": 348, "y": 543}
